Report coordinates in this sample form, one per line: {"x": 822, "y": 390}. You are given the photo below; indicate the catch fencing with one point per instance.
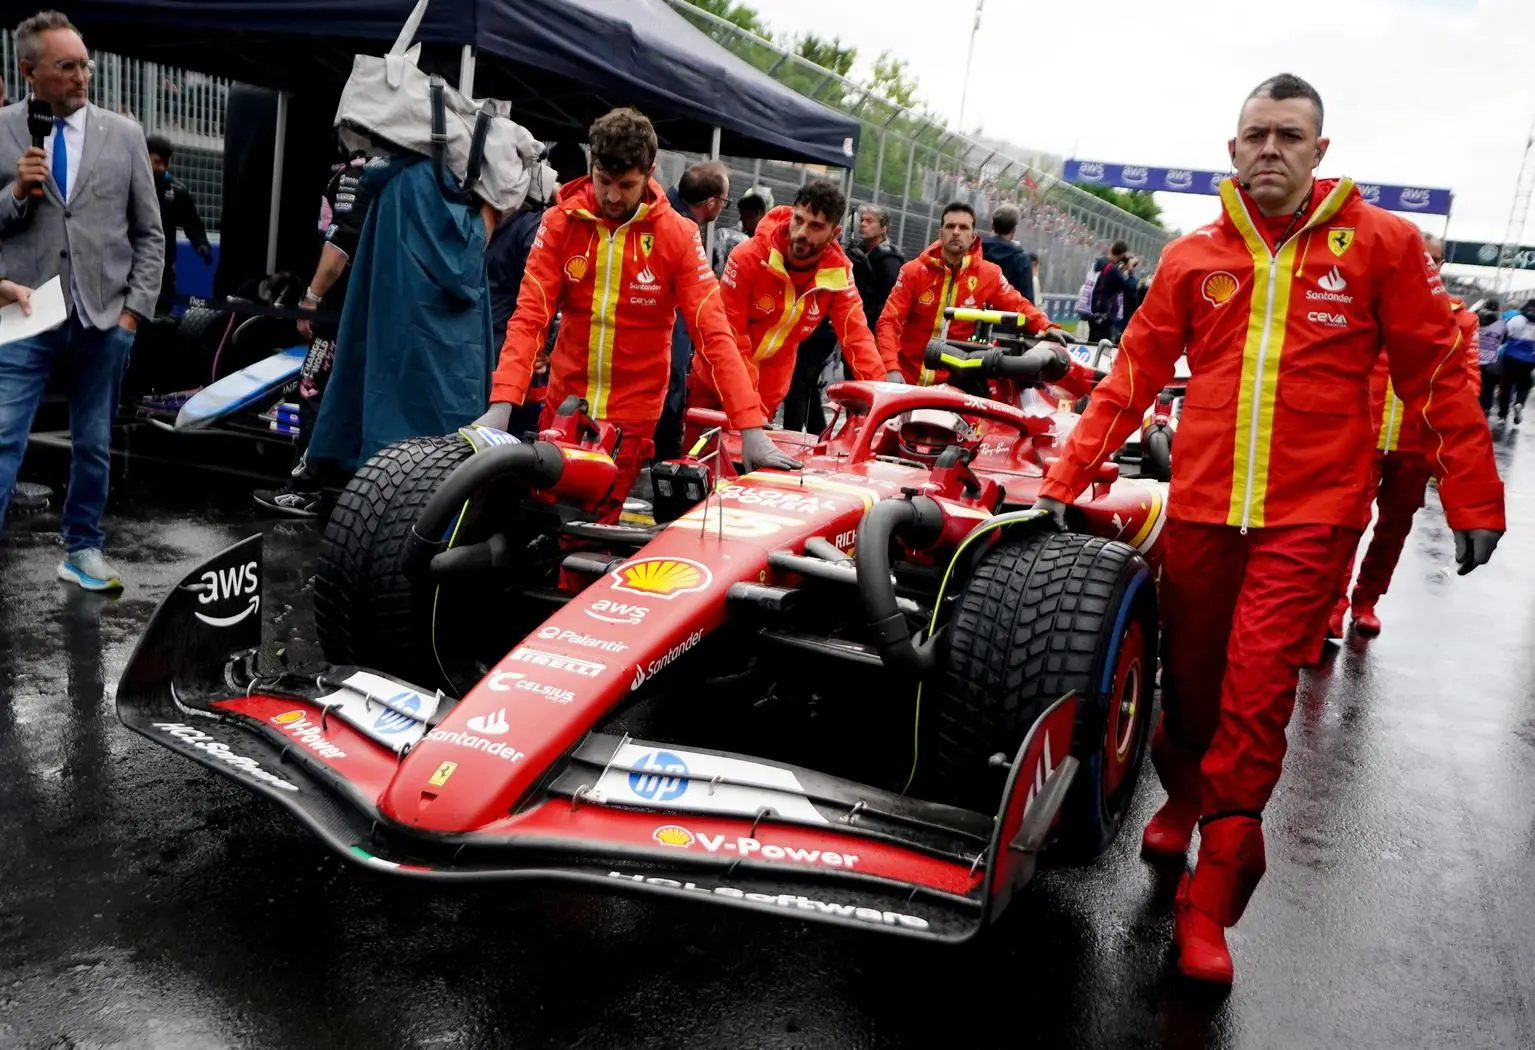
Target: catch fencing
{"x": 906, "y": 162}
{"x": 912, "y": 166}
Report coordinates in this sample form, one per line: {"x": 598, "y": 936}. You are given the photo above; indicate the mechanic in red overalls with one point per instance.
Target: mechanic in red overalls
{"x": 618, "y": 264}
{"x": 950, "y": 272}
{"x": 778, "y": 288}
{"x": 1400, "y": 476}
{"x": 1284, "y": 304}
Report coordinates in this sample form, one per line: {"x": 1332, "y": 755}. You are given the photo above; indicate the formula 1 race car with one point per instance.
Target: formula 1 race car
{"x": 900, "y": 688}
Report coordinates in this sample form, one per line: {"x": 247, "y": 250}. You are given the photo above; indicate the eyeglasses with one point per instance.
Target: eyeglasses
{"x": 67, "y": 66}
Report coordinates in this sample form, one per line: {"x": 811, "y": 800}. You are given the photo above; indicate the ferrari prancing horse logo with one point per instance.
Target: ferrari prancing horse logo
{"x": 647, "y": 242}
{"x": 1339, "y": 238}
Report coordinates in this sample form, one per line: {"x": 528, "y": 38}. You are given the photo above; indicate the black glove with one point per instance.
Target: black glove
{"x": 1474, "y": 547}
{"x": 1056, "y": 508}
{"x": 497, "y": 417}
{"x": 758, "y": 451}
{"x": 1056, "y": 335}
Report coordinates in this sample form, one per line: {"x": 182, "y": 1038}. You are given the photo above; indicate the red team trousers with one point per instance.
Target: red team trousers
{"x": 1242, "y": 615}
{"x": 1400, "y": 481}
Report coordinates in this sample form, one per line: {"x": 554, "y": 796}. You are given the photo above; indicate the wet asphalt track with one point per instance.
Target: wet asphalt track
{"x": 147, "y": 903}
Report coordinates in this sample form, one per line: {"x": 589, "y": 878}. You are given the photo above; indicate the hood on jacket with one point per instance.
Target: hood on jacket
{"x": 1321, "y": 191}
{"x": 932, "y": 255}
{"x": 996, "y": 248}
{"x": 579, "y": 198}
{"x": 773, "y": 231}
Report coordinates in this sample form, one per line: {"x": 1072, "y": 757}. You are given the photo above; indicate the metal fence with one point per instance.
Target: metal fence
{"x": 913, "y": 167}
{"x": 906, "y": 162}
{"x": 186, "y": 107}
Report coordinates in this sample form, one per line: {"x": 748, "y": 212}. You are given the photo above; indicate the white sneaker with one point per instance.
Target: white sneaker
{"x": 90, "y": 570}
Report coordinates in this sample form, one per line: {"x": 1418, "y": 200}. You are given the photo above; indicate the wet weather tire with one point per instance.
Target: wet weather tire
{"x": 1042, "y": 615}
{"x": 1157, "y": 454}
{"x": 367, "y": 611}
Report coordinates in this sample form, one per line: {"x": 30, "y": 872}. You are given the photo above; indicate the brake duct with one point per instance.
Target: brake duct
{"x": 918, "y": 521}
{"x": 538, "y": 464}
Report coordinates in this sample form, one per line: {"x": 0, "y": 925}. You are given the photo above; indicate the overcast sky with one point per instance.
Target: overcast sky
{"x": 1432, "y": 93}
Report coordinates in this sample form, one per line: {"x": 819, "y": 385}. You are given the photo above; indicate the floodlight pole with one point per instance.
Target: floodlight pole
{"x": 965, "y": 89}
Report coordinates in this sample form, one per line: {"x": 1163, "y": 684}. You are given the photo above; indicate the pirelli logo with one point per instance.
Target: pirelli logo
{"x": 558, "y": 662}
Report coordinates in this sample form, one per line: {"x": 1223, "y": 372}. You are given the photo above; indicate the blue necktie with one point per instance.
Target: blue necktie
{"x": 60, "y": 159}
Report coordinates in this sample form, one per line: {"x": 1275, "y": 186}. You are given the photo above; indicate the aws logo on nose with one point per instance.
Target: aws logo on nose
{"x": 221, "y": 585}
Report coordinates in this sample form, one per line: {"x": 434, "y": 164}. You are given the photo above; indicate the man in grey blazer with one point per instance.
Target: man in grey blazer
{"x": 82, "y": 208}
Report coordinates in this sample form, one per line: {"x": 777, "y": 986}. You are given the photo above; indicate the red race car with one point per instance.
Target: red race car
{"x": 987, "y": 680}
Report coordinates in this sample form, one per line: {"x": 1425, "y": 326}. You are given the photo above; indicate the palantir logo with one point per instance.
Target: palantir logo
{"x": 222, "y": 585}
{"x": 659, "y": 777}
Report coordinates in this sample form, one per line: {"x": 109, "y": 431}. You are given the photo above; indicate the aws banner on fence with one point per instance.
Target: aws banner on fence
{"x": 1419, "y": 199}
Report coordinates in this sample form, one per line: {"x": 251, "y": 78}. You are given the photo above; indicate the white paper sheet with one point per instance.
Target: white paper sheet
{"x": 48, "y": 311}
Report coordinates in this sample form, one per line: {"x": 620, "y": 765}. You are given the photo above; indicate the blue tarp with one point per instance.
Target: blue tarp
{"x": 560, "y": 63}
{"x": 414, "y": 353}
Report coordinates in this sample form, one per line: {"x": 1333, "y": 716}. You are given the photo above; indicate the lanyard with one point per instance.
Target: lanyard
{"x": 1300, "y": 212}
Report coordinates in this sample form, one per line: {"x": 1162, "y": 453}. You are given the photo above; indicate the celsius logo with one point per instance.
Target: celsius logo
{"x": 659, "y": 777}
{"x": 223, "y": 584}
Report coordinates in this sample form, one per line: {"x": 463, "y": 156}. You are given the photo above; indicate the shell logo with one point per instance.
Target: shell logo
{"x": 662, "y": 577}
{"x": 926, "y": 298}
{"x": 766, "y": 304}
{"x": 672, "y": 835}
{"x": 575, "y": 267}
{"x": 287, "y": 718}
{"x": 1219, "y": 287}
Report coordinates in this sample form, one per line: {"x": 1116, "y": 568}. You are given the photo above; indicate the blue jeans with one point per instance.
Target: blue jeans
{"x": 93, "y": 362}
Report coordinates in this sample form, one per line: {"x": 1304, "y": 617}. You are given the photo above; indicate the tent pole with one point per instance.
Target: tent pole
{"x": 714, "y": 154}
{"x": 466, "y": 71}
{"x": 279, "y": 143}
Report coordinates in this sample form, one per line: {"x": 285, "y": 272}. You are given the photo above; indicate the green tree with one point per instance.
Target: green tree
{"x": 1139, "y": 203}
{"x": 731, "y": 11}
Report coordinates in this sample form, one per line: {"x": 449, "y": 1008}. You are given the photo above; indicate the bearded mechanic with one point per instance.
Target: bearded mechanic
{"x": 1399, "y": 475}
{"x": 618, "y": 263}
{"x": 1284, "y": 305}
{"x": 950, "y": 272}
{"x": 780, "y": 285}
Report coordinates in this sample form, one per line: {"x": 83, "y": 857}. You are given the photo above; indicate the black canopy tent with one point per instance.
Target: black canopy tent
{"x": 559, "y": 62}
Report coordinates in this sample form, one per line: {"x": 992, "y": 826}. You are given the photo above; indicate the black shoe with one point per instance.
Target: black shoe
{"x": 289, "y": 502}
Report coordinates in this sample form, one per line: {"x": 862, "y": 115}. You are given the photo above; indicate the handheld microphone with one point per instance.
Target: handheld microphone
{"x": 40, "y": 124}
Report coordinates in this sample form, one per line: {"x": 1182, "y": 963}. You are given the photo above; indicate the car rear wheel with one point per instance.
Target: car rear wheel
{"x": 1042, "y": 615}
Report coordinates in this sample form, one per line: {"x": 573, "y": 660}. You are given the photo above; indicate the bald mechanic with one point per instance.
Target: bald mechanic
{"x": 617, "y": 262}
{"x": 950, "y": 272}
{"x": 780, "y": 285}
{"x": 1399, "y": 474}
{"x": 1275, "y": 446}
